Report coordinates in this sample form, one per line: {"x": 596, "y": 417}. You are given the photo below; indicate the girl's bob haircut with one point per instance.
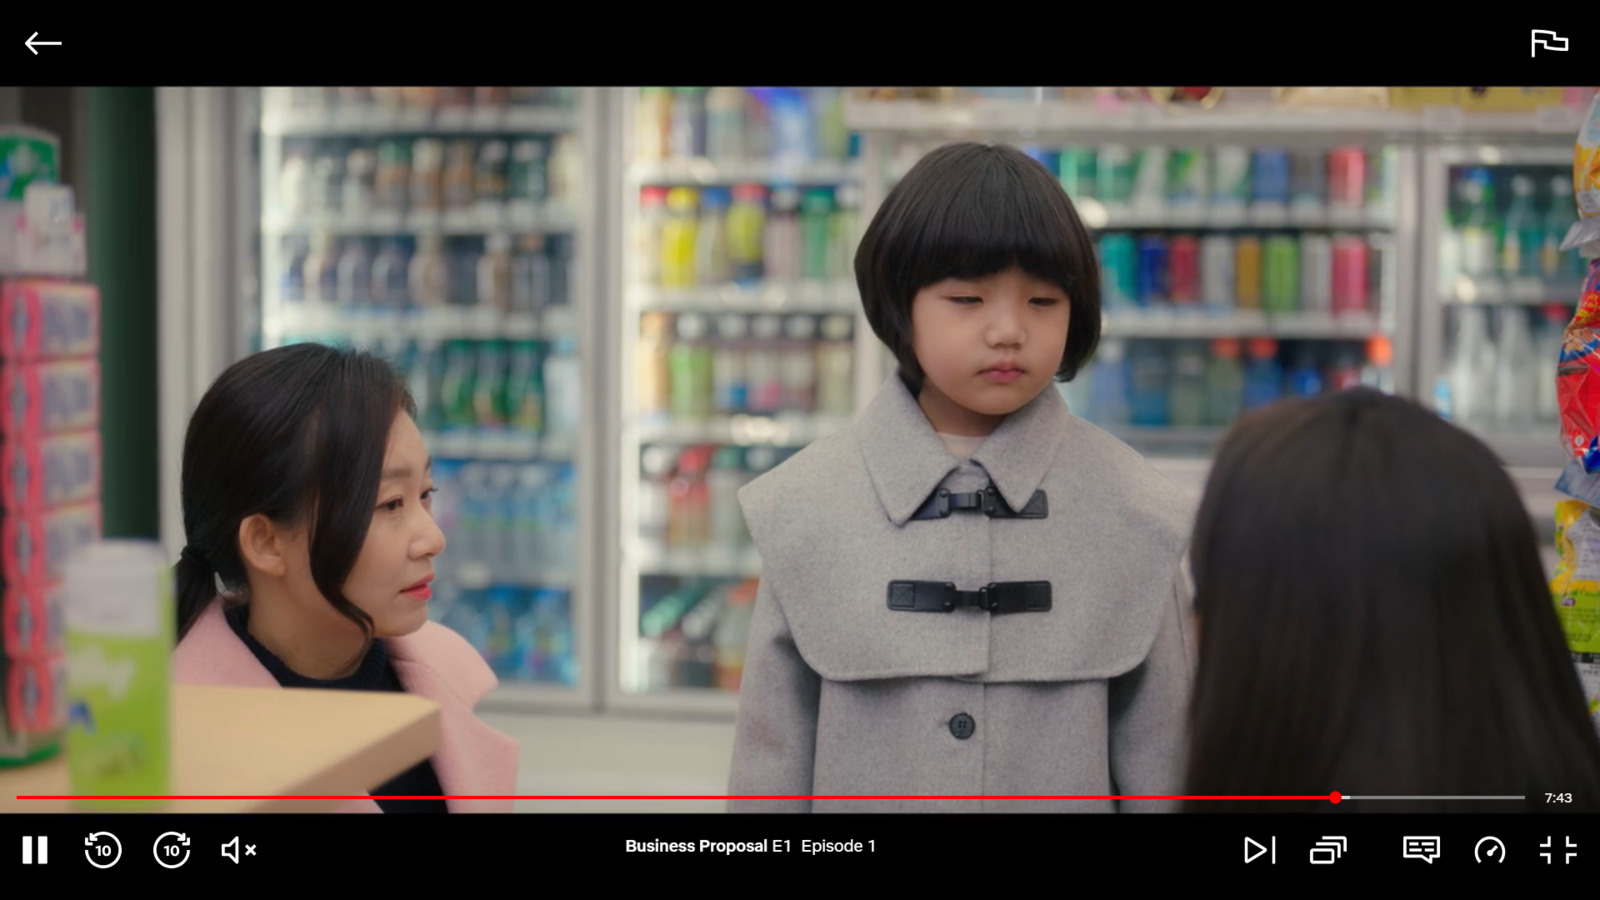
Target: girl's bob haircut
{"x": 969, "y": 211}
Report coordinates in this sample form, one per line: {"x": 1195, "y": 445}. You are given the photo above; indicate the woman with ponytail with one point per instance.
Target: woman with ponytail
{"x": 310, "y": 549}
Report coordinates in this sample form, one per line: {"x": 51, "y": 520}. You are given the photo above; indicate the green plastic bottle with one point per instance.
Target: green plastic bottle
{"x": 816, "y": 209}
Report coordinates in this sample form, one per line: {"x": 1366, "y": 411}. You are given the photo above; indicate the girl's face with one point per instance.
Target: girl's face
{"x": 391, "y": 580}
{"x": 988, "y": 346}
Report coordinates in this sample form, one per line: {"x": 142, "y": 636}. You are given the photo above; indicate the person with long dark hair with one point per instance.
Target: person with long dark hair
{"x": 1374, "y": 619}
{"x": 310, "y": 551}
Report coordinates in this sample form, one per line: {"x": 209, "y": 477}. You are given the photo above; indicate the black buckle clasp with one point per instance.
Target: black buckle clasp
{"x": 987, "y": 501}
{"x": 999, "y": 598}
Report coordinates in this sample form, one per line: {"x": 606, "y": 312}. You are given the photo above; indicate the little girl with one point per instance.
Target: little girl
{"x": 968, "y": 594}
{"x": 307, "y": 499}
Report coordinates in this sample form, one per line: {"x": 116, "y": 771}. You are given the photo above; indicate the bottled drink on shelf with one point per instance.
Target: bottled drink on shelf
{"x": 322, "y": 270}
{"x": 563, "y": 385}
{"x": 712, "y": 265}
{"x": 800, "y": 364}
{"x": 528, "y": 176}
{"x": 725, "y": 124}
{"x": 360, "y": 184}
{"x": 524, "y": 390}
{"x": 1516, "y": 396}
{"x": 835, "y": 367}
{"x": 1346, "y": 371}
{"x": 1184, "y": 270}
{"x": 1378, "y": 373}
{"x": 1347, "y": 179}
{"x": 1078, "y": 174}
{"x": 764, "y": 366}
{"x": 492, "y": 186}
{"x": 494, "y": 274}
{"x": 655, "y": 373}
{"x": 843, "y": 228}
{"x": 1230, "y": 179}
{"x": 678, "y": 239}
{"x": 1269, "y": 179}
{"x": 1309, "y": 180}
{"x": 392, "y": 182}
{"x": 1305, "y": 379}
{"x": 731, "y": 386}
{"x": 688, "y": 123}
{"x": 691, "y": 370}
{"x": 655, "y": 501}
{"x": 294, "y": 184}
{"x": 463, "y": 259}
{"x": 815, "y": 211}
{"x": 1186, "y": 180}
{"x": 1477, "y": 231}
{"x": 1351, "y": 276}
{"x": 689, "y": 517}
{"x": 293, "y": 285}
{"x": 727, "y": 528}
{"x": 1110, "y": 384}
{"x": 1247, "y": 272}
{"x": 1316, "y": 273}
{"x": 1553, "y": 262}
{"x": 653, "y": 127}
{"x": 391, "y": 277}
{"x": 782, "y": 251}
{"x": 1551, "y": 337}
{"x": 1524, "y": 233}
{"x": 427, "y": 176}
{"x": 488, "y": 390}
{"x": 1149, "y": 376}
{"x": 830, "y": 132}
{"x": 460, "y": 176}
{"x": 1217, "y": 271}
{"x": 559, "y": 249}
{"x": 355, "y": 276}
{"x": 1186, "y": 401}
{"x": 1116, "y": 167}
{"x": 1263, "y": 378}
{"x": 1280, "y": 277}
{"x": 327, "y": 183}
{"x": 732, "y": 636}
{"x": 1224, "y": 383}
{"x": 1120, "y": 262}
{"x": 565, "y": 172}
{"x": 1150, "y": 180}
{"x": 1153, "y": 289}
{"x": 792, "y": 133}
{"x": 530, "y": 542}
{"x": 647, "y": 246}
{"x": 1472, "y": 371}
{"x": 747, "y": 232}
{"x": 530, "y": 276}
{"x": 456, "y": 386}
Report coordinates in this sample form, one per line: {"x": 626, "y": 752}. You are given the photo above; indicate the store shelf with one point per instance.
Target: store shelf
{"x": 342, "y": 122}
{"x": 783, "y": 430}
{"x": 708, "y": 562}
{"x": 477, "y": 221}
{"x": 450, "y": 323}
{"x": 1513, "y": 291}
{"x": 800, "y": 297}
{"x": 1161, "y": 123}
{"x": 706, "y": 172}
{"x": 470, "y": 575}
{"x": 517, "y": 447}
{"x": 1099, "y": 217}
{"x": 1197, "y": 324}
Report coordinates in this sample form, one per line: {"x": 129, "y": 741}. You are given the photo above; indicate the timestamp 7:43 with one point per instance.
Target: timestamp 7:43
{"x": 1558, "y": 798}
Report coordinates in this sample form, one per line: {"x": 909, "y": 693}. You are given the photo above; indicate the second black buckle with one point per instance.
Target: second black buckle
{"x": 998, "y": 598}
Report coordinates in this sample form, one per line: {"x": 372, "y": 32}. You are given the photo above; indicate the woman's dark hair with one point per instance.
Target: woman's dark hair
{"x": 1374, "y": 619}
{"x": 297, "y": 434}
{"x": 970, "y": 211}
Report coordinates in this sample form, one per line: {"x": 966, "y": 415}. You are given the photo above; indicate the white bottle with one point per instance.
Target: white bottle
{"x": 1472, "y": 371}
{"x": 836, "y": 368}
{"x": 800, "y": 365}
{"x": 1216, "y": 273}
{"x": 1516, "y": 371}
{"x": 655, "y": 498}
{"x": 562, "y": 391}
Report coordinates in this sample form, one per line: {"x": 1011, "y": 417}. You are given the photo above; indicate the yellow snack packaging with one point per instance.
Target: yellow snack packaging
{"x": 1575, "y": 588}
{"x": 1585, "y": 234}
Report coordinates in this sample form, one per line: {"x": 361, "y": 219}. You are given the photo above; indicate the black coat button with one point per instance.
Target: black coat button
{"x": 962, "y": 726}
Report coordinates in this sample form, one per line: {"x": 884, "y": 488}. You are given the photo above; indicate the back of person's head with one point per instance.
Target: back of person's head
{"x": 970, "y": 211}
{"x": 1374, "y": 619}
{"x": 296, "y": 434}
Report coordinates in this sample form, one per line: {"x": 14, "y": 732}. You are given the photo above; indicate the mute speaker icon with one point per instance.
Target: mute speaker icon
{"x": 231, "y": 850}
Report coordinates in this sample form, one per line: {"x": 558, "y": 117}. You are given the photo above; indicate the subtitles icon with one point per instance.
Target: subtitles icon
{"x": 1549, "y": 40}
{"x": 1423, "y": 848}
{"x": 1328, "y": 850}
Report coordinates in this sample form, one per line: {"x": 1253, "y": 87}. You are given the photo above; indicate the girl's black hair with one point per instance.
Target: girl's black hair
{"x": 969, "y": 211}
{"x": 1374, "y": 619}
{"x": 297, "y": 434}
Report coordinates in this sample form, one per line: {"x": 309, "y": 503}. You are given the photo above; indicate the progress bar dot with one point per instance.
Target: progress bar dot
{"x": 1335, "y": 797}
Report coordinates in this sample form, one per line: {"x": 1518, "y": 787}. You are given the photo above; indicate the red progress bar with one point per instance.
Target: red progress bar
{"x": 1332, "y": 798}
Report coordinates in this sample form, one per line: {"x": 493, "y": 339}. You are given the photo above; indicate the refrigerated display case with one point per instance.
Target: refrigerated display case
{"x": 1247, "y": 252}
{"x": 452, "y": 230}
{"x": 738, "y": 334}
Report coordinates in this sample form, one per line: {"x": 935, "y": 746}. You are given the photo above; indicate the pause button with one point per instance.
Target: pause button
{"x": 35, "y": 848}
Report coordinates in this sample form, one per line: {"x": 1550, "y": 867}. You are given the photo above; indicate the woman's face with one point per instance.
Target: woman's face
{"x": 391, "y": 580}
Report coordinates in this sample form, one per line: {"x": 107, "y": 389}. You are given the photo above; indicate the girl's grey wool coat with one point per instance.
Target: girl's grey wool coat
{"x": 900, "y": 645}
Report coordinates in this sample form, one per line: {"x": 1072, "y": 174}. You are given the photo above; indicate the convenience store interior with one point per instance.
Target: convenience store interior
{"x": 617, "y": 305}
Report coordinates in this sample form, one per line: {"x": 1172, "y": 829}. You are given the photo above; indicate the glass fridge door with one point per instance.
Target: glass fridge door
{"x": 739, "y": 321}
{"x": 451, "y": 230}
{"x": 1247, "y": 253}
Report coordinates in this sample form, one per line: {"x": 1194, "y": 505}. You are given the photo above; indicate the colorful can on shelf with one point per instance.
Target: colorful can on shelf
{"x": 1153, "y": 288}
{"x": 1230, "y": 178}
{"x": 1280, "y": 277}
{"x": 1247, "y": 272}
{"x": 1115, "y": 168}
{"x": 1216, "y": 271}
{"x": 1183, "y": 267}
{"x": 1119, "y": 262}
{"x": 1316, "y": 273}
{"x": 1269, "y": 176}
{"x": 1078, "y": 173}
{"x": 1347, "y": 186}
{"x": 1350, "y": 274}
{"x": 1186, "y": 178}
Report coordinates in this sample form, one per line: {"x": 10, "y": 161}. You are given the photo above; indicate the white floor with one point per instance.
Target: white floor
{"x": 611, "y": 755}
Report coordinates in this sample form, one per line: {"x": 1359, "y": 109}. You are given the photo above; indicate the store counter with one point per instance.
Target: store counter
{"x": 271, "y": 742}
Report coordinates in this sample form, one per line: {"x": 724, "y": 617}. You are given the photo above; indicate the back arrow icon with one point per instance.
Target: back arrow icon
{"x": 32, "y": 43}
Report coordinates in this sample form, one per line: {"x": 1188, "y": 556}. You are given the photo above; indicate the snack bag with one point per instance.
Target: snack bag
{"x": 1576, "y": 591}
{"x": 1585, "y": 235}
{"x": 1578, "y": 376}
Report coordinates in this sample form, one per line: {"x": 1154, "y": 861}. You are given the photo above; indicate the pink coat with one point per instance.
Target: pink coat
{"x": 435, "y": 663}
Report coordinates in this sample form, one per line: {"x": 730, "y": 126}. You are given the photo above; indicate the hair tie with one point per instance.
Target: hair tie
{"x": 193, "y": 556}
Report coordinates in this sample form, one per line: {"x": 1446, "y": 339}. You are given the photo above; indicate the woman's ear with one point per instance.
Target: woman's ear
{"x": 263, "y": 546}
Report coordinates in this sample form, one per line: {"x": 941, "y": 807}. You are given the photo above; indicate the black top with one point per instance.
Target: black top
{"x": 375, "y": 674}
